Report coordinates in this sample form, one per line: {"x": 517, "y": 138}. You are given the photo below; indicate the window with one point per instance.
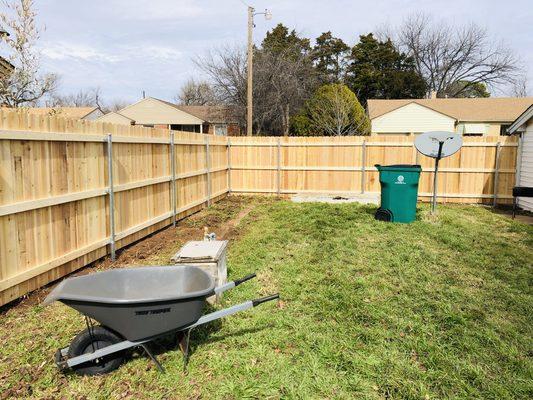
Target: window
{"x": 221, "y": 130}
{"x": 503, "y": 130}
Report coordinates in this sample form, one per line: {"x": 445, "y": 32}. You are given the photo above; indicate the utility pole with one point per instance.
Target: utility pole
{"x": 249, "y": 83}
{"x": 249, "y": 86}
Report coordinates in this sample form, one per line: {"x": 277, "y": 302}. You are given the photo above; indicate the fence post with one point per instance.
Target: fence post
{"x": 363, "y": 166}
{"x": 173, "y": 182}
{"x": 208, "y": 167}
{"x": 279, "y": 166}
{"x": 496, "y": 174}
{"x": 229, "y": 165}
{"x": 111, "y": 193}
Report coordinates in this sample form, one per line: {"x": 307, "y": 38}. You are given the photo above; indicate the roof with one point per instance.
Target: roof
{"x": 521, "y": 120}
{"x": 212, "y": 114}
{"x": 5, "y": 66}
{"x": 496, "y": 109}
{"x": 115, "y": 118}
{"x": 69, "y": 112}
{"x": 151, "y": 110}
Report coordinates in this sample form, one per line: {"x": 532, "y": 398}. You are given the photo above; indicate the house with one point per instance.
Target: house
{"x": 115, "y": 118}
{"x": 468, "y": 116}
{"x": 87, "y": 113}
{"x": 6, "y": 68}
{"x": 152, "y": 112}
{"x": 523, "y": 126}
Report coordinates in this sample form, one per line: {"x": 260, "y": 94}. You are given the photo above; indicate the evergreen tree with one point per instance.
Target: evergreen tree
{"x": 377, "y": 70}
{"x": 329, "y": 56}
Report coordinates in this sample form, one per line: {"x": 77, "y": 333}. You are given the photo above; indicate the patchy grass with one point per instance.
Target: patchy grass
{"x": 441, "y": 308}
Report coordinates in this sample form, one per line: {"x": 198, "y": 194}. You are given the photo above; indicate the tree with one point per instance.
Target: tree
{"x": 335, "y": 111}
{"x": 25, "y": 85}
{"x": 284, "y": 77}
{"x": 377, "y": 70}
{"x": 280, "y": 41}
{"x": 194, "y": 93}
{"x": 86, "y": 98}
{"x": 445, "y": 55}
{"x": 466, "y": 89}
{"x": 329, "y": 56}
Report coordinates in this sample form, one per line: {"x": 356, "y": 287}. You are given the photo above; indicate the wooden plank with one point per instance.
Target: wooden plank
{"x": 37, "y": 270}
{"x": 50, "y": 136}
{"x": 48, "y": 202}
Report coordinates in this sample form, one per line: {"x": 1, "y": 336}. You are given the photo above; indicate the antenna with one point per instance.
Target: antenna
{"x": 438, "y": 145}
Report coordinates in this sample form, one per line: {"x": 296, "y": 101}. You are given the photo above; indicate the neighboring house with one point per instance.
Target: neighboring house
{"x": 152, "y": 112}
{"x": 470, "y": 117}
{"x": 115, "y": 118}
{"x": 523, "y": 126}
{"x": 87, "y": 113}
{"x": 6, "y": 68}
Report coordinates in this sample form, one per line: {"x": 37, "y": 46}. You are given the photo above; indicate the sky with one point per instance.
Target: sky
{"x": 127, "y": 46}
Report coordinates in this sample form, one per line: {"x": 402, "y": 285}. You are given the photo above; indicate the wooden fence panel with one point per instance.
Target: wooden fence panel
{"x": 54, "y": 183}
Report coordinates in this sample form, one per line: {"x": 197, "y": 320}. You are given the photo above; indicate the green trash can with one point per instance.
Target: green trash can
{"x": 399, "y": 192}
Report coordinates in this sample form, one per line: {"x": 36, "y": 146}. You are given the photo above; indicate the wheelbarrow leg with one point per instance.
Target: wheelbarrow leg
{"x": 184, "y": 343}
{"x": 150, "y": 354}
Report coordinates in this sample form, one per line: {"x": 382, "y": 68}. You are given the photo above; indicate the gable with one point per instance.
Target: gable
{"x": 152, "y": 111}
{"x": 115, "y": 118}
{"x": 414, "y": 118}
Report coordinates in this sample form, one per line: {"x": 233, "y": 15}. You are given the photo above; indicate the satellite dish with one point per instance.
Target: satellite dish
{"x": 429, "y": 144}
{"x": 438, "y": 145}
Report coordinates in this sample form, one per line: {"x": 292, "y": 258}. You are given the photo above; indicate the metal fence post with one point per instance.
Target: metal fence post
{"x": 173, "y": 182}
{"x": 496, "y": 174}
{"x": 111, "y": 193}
{"x": 279, "y": 166}
{"x": 229, "y": 165}
{"x": 208, "y": 167}
{"x": 363, "y": 167}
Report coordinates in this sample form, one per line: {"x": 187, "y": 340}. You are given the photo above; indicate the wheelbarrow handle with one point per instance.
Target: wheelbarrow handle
{"x": 256, "y": 302}
{"x": 232, "y": 284}
{"x": 244, "y": 279}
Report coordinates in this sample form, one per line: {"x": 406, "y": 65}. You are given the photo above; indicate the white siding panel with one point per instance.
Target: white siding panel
{"x": 412, "y": 118}
{"x": 526, "y": 165}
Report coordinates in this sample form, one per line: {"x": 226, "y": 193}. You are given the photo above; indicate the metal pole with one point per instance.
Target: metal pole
{"x": 435, "y": 174}
{"x": 279, "y": 166}
{"x": 208, "y": 166}
{"x": 111, "y": 193}
{"x": 249, "y": 86}
{"x": 363, "y": 167}
{"x": 229, "y": 165}
{"x": 173, "y": 182}
{"x": 496, "y": 174}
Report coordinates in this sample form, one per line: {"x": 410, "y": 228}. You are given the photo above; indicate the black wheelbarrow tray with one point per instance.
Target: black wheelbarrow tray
{"x": 134, "y": 306}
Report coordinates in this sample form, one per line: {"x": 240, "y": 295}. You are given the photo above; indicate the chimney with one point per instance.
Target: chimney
{"x": 433, "y": 94}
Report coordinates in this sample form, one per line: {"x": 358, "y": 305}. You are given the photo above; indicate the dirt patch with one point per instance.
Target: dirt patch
{"x": 222, "y": 218}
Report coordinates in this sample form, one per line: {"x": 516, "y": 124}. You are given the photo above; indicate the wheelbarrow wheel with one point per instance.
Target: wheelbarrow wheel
{"x": 87, "y": 342}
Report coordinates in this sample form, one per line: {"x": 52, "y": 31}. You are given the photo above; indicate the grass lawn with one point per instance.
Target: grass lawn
{"x": 441, "y": 308}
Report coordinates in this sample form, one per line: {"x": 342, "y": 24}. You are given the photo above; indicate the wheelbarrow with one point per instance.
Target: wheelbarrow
{"x": 135, "y": 306}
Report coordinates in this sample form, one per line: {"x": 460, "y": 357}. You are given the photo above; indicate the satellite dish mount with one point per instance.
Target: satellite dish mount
{"x": 438, "y": 145}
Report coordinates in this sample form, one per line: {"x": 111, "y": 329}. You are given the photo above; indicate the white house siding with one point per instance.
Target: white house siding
{"x": 526, "y": 166}
{"x": 412, "y": 118}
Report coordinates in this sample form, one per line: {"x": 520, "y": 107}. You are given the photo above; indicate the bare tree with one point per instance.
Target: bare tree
{"x": 446, "y": 54}
{"x": 281, "y": 84}
{"x": 194, "y": 93}
{"x": 86, "y": 98}
{"x": 25, "y": 85}
{"x": 520, "y": 88}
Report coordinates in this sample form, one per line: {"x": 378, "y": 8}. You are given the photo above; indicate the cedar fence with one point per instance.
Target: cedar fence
{"x": 72, "y": 191}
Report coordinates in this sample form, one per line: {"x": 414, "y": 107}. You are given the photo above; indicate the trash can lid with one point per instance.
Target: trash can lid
{"x": 398, "y": 167}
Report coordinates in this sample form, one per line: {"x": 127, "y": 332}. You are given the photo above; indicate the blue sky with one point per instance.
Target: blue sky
{"x": 126, "y": 46}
